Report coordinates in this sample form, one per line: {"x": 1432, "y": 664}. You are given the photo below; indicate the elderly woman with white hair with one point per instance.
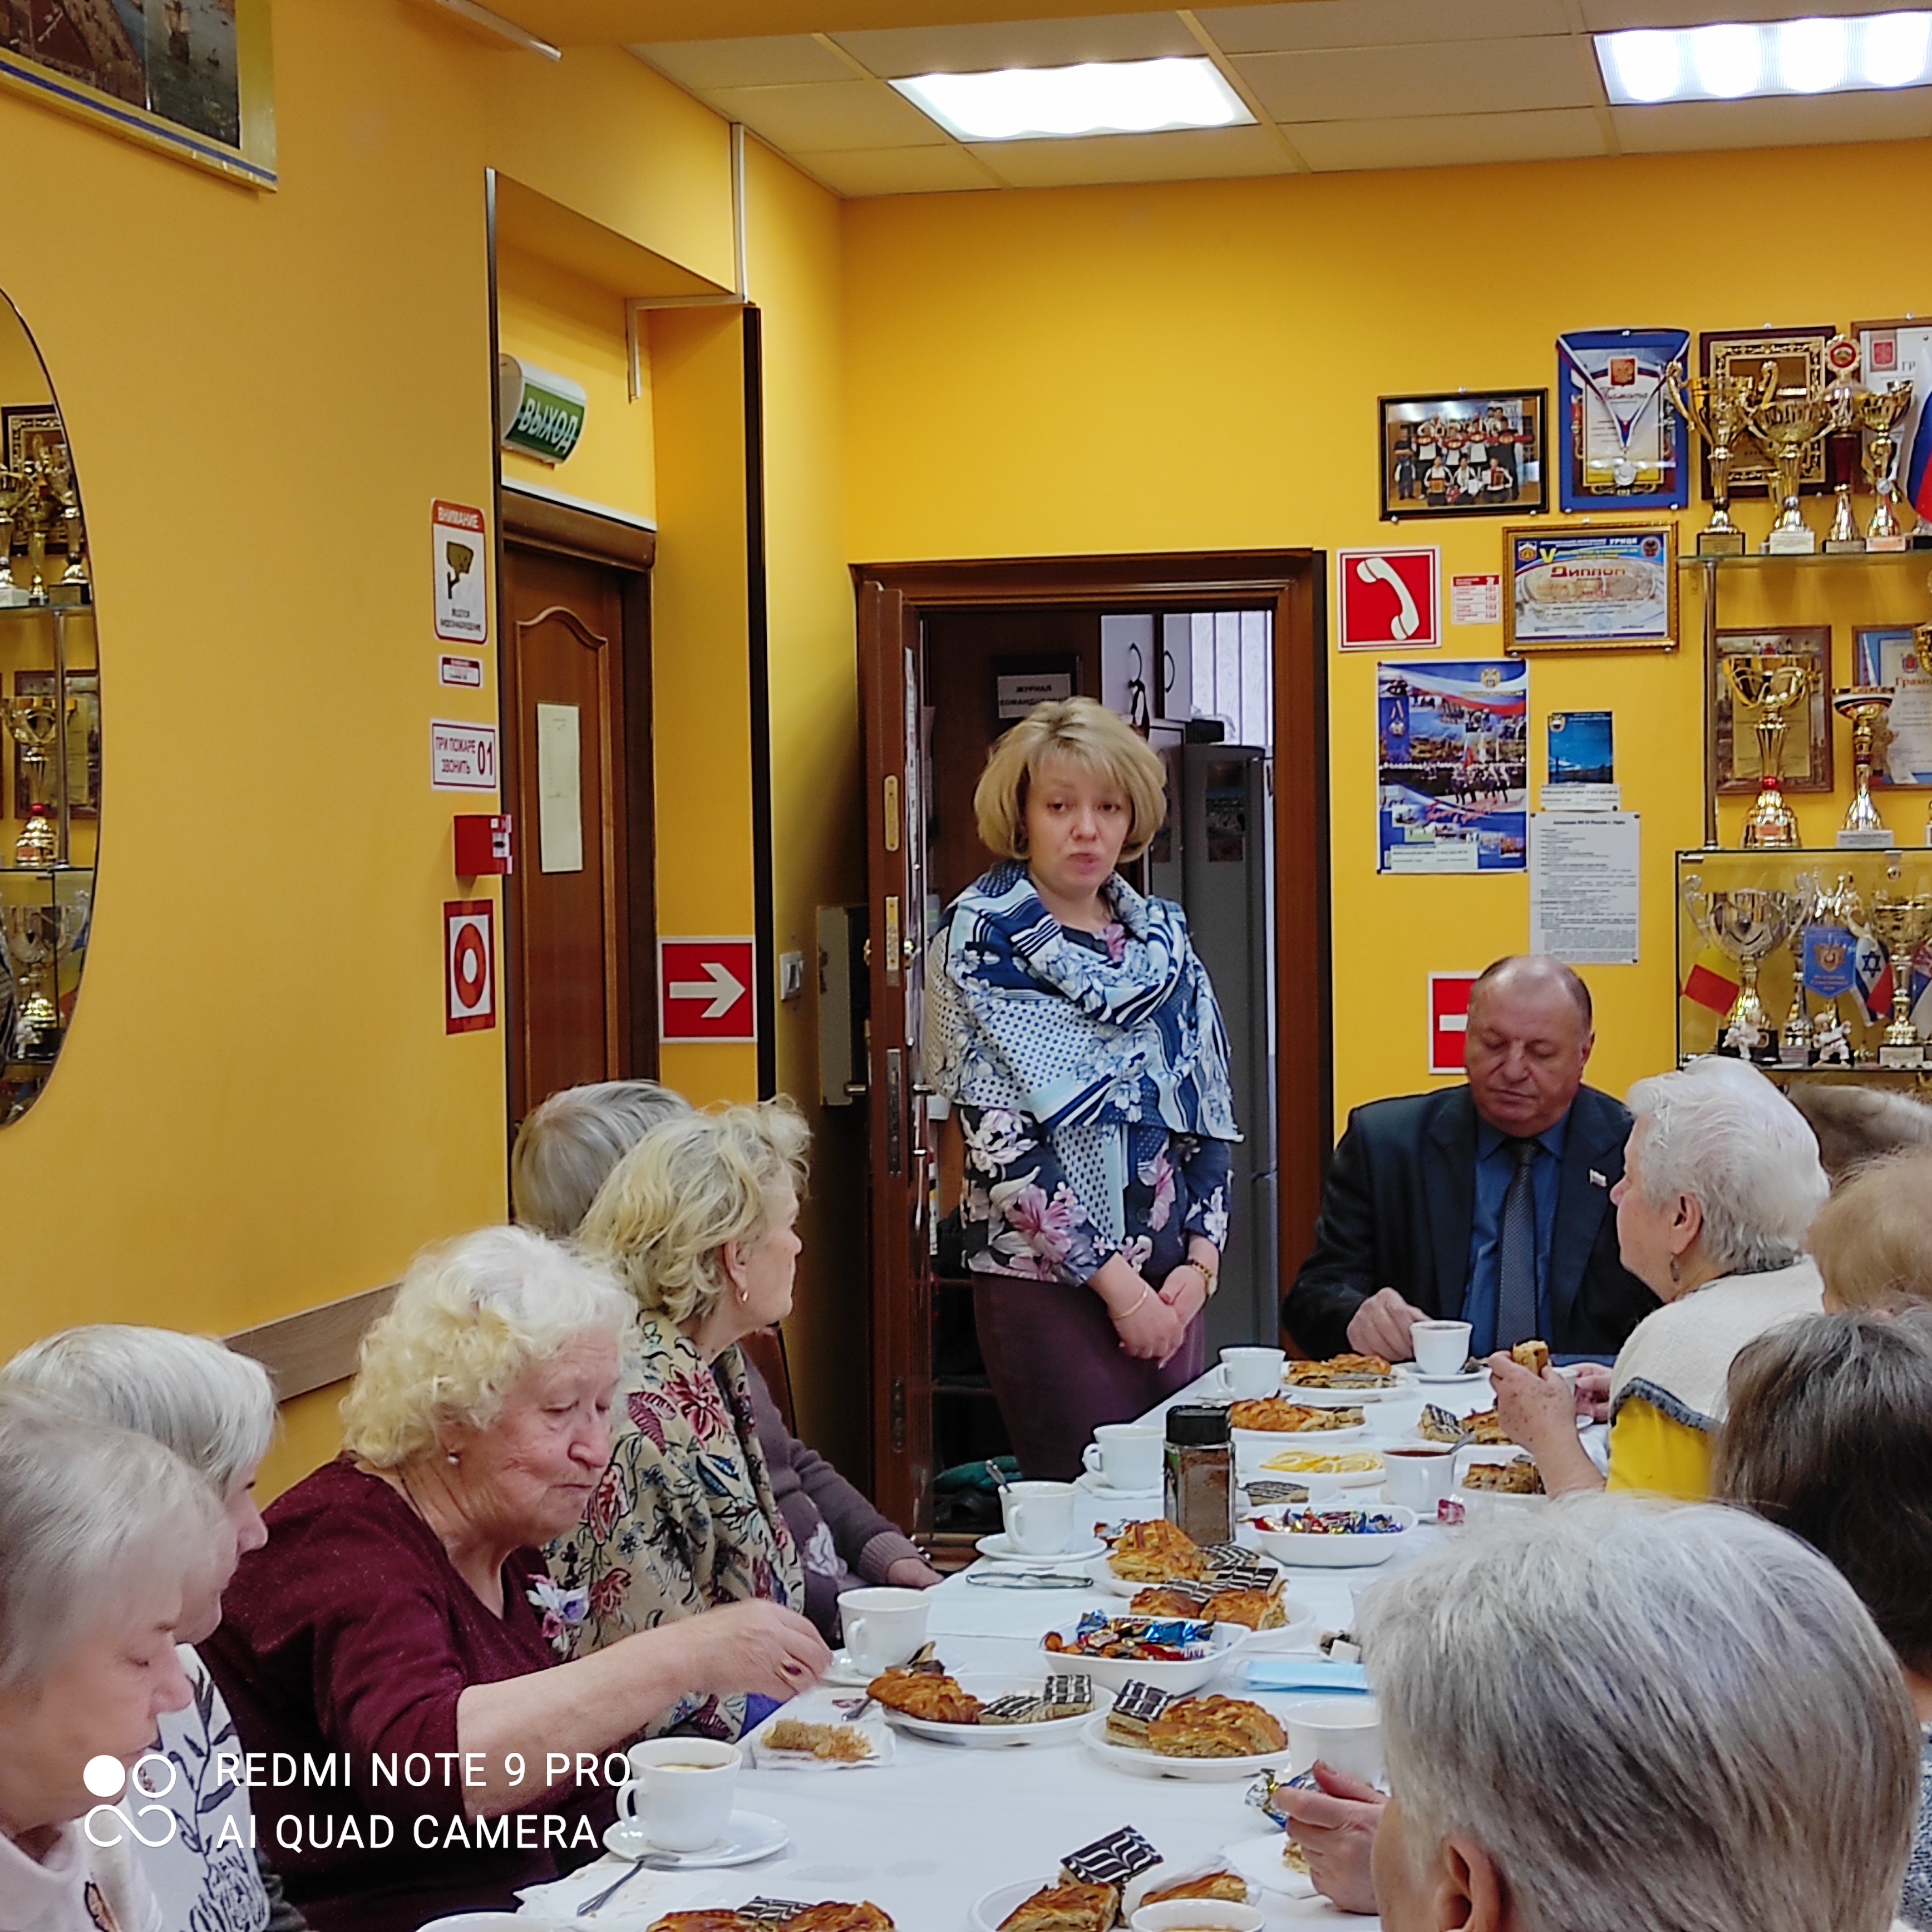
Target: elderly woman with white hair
{"x": 1613, "y": 1715}
{"x": 216, "y": 1410}
{"x": 399, "y": 1623}
{"x": 108, "y": 1542}
{"x": 1721, "y": 1180}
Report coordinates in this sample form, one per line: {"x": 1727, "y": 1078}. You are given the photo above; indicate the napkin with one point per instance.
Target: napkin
{"x": 1305, "y": 1673}
{"x": 649, "y": 1895}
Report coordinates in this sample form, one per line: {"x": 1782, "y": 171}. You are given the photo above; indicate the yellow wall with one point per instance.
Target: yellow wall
{"x": 1196, "y": 366}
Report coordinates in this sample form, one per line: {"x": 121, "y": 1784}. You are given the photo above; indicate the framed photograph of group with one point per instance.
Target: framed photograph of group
{"x": 1608, "y": 586}
{"x": 1620, "y": 445}
{"x": 1807, "y": 740}
{"x": 1480, "y": 453}
{"x": 1798, "y": 356}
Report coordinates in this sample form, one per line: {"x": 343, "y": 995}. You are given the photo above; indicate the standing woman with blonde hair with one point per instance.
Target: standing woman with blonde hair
{"x": 1073, "y": 1026}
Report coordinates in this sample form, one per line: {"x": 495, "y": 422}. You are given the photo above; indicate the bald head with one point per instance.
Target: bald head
{"x": 1529, "y": 1040}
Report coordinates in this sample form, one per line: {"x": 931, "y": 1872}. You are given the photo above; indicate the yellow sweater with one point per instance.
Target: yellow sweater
{"x": 1650, "y": 1451}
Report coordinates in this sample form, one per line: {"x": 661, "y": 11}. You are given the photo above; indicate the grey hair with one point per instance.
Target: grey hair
{"x": 469, "y": 1319}
{"x": 1681, "y": 1719}
{"x": 1718, "y": 1130}
{"x": 215, "y": 1409}
{"x": 88, "y": 1515}
{"x": 566, "y": 1148}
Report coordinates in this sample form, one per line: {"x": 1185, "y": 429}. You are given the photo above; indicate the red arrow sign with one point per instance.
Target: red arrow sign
{"x": 704, "y": 989}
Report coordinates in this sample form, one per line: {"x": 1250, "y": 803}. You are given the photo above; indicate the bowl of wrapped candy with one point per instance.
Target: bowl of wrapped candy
{"x": 1173, "y": 1654}
{"x": 1333, "y": 1539}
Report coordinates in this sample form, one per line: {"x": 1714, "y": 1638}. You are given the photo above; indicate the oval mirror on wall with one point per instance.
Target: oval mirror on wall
{"x": 49, "y": 726}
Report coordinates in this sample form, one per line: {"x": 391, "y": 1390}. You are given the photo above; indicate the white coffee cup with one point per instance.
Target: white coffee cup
{"x": 1038, "y": 1517}
{"x": 680, "y": 1791}
{"x": 1252, "y": 1373}
{"x": 1398, "y": 1411}
{"x": 1440, "y": 1348}
{"x": 1345, "y": 1733}
{"x": 1125, "y": 1456}
{"x": 883, "y": 1627}
{"x": 1418, "y": 1476}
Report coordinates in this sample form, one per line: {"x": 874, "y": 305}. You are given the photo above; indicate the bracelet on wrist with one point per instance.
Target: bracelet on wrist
{"x": 1134, "y": 1307}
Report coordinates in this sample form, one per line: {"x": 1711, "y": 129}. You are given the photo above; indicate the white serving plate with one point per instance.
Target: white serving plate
{"x": 1336, "y": 1398}
{"x": 1298, "y": 1633}
{"x": 1274, "y": 1438}
{"x": 1178, "y": 1675}
{"x": 991, "y": 1909}
{"x": 1189, "y": 1770}
{"x": 1105, "y": 1580}
{"x": 1337, "y": 1552}
{"x": 997, "y": 1737}
{"x": 1258, "y": 1861}
{"x": 1352, "y": 1479}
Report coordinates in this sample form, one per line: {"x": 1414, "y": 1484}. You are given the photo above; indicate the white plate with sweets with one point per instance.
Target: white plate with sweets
{"x": 1140, "y": 1761}
{"x": 1007, "y": 1691}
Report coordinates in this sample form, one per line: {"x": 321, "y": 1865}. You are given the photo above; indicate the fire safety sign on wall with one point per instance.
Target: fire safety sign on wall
{"x": 704, "y": 989}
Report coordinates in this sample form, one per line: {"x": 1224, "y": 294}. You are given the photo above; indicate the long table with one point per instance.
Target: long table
{"x": 927, "y": 1835}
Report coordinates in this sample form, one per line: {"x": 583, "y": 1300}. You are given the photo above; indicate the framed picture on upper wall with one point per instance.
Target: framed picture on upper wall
{"x": 1807, "y": 737}
{"x": 1620, "y": 443}
{"x": 1478, "y": 453}
{"x": 1798, "y": 356}
{"x": 1592, "y": 587}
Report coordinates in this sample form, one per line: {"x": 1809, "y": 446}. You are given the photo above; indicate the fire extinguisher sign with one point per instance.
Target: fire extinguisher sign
{"x": 469, "y": 965}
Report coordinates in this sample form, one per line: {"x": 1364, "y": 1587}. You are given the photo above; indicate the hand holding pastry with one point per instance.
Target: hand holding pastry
{"x": 1335, "y": 1826}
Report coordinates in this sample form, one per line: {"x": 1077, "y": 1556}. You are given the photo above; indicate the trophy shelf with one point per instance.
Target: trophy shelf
{"x": 1759, "y": 560}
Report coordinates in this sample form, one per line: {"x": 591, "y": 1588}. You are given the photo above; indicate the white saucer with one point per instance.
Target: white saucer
{"x": 750, "y": 1836}
{"x": 846, "y": 1674}
{"x": 997, "y": 1546}
{"x": 1462, "y": 1379}
{"x": 1089, "y": 1484}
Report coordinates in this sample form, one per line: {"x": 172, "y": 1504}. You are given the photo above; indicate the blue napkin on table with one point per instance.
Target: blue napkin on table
{"x": 1305, "y": 1673}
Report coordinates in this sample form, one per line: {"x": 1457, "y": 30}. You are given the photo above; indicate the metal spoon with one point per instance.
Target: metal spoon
{"x": 591, "y": 1907}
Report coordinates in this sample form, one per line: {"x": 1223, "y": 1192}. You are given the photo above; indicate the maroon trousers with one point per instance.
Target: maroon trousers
{"x": 1058, "y": 1370}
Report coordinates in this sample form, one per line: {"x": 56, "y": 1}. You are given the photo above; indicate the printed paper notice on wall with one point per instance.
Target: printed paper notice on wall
{"x": 1452, "y": 760}
{"x": 559, "y": 789}
{"x": 1583, "y": 887}
{"x": 1018, "y": 695}
{"x": 462, "y": 758}
{"x": 1476, "y": 600}
{"x": 462, "y": 595}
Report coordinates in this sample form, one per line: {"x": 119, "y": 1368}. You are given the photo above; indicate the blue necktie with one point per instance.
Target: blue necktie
{"x": 1516, "y": 1272}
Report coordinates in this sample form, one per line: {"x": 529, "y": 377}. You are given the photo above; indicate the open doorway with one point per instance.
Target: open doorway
{"x": 1218, "y": 659}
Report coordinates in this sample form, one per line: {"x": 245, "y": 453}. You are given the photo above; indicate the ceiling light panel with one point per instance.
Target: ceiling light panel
{"x": 1061, "y": 103}
{"x": 1734, "y": 60}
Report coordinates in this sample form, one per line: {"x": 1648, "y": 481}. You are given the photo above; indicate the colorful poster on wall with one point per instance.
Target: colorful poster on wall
{"x": 1452, "y": 760}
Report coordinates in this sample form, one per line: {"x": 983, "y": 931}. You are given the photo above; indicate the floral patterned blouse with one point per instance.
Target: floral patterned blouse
{"x": 683, "y": 1518}
{"x": 1021, "y": 1215}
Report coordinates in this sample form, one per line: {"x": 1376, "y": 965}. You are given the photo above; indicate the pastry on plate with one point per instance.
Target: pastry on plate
{"x": 1066, "y": 1693}
{"x": 1534, "y": 1356}
{"x": 1259, "y": 1609}
{"x": 1484, "y": 1429}
{"x": 1135, "y": 1706}
{"x": 836, "y": 1744}
{"x": 1172, "y": 1600}
{"x": 833, "y": 1916}
{"x": 1519, "y": 1477}
{"x": 712, "y": 1921}
{"x": 1157, "y": 1553}
{"x": 1276, "y": 1414}
{"x": 1343, "y": 1372}
{"x": 938, "y": 1699}
{"x": 1215, "y": 1726}
{"x": 1224, "y": 1884}
{"x": 1070, "y": 1907}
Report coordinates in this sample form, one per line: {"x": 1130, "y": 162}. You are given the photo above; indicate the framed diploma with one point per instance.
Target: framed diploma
{"x": 1799, "y": 355}
{"x": 1621, "y": 444}
{"x": 1807, "y": 742}
{"x": 1477, "y": 453}
{"x": 1893, "y": 655}
{"x": 1605, "y": 587}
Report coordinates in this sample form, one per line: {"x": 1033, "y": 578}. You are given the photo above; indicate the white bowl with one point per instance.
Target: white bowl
{"x": 1184, "y": 1915}
{"x": 1179, "y": 1675}
{"x": 1337, "y": 1552}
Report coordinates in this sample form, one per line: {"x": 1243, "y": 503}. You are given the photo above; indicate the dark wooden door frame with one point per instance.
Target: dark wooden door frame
{"x": 1293, "y": 584}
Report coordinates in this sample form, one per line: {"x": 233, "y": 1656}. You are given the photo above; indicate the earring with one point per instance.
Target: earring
{"x": 744, "y": 1297}
{"x": 453, "y": 1457}
{"x": 1676, "y": 1274}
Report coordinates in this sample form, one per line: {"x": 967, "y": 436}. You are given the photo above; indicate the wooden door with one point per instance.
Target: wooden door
{"x": 567, "y": 770}
{"x": 901, "y": 1274}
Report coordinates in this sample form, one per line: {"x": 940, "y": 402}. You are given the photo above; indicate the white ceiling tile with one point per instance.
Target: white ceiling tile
{"x": 1370, "y": 23}
{"x": 870, "y": 171}
{"x": 830, "y": 116}
{"x": 1194, "y": 153}
{"x": 1782, "y": 121}
{"x": 1449, "y": 140}
{"x": 1604, "y": 17}
{"x": 784, "y": 60}
{"x": 1388, "y": 83}
{"x": 898, "y": 52}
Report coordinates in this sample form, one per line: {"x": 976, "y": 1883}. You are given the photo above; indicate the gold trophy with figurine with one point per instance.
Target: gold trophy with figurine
{"x": 1747, "y": 924}
{"x": 34, "y": 724}
{"x": 1866, "y": 706}
{"x": 1880, "y": 412}
{"x": 1785, "y": 427}
{"x": 1901, "y": 921}
{"x": 1714, "y": 407}
{"x": 1772, "y": 687}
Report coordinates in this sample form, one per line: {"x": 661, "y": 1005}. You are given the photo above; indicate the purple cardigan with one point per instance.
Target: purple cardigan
{"x": 844, "y": 1540}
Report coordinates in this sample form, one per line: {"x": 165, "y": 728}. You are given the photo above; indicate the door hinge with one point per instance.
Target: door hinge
{"x": 891, "y": 790}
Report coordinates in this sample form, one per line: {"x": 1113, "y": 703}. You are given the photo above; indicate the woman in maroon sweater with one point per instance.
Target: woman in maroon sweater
{"x": 390, "y": 1656}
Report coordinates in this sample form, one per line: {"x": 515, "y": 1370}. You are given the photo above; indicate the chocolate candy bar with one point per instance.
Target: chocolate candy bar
{"x": 1114, "y": 1860}
{"x": 1137, "y": 1705}
{"x": 770, "y": 1911}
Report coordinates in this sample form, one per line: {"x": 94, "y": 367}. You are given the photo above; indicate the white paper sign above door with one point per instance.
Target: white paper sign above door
{"x": 1018, "y": 695}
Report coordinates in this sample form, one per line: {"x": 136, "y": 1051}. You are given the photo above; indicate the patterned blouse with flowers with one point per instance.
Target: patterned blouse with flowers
{"x": 1021, "y": 1215}
{"x": 683, "y": 1518}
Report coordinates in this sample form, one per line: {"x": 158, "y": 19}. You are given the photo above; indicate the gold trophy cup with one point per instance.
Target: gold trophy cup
{"x": 1785, "y": 427}
{"x": 1880, "y": 411}
{"x": 1866, "y": 705}
{"x": 1747, "y": 924}
{"x": 34, "y": 723}
{"x": 1772, "y": 687}
{"x": 1901, "y": 922}
{"x": 36, "y": 939}
{"x": 1714, "y": 408}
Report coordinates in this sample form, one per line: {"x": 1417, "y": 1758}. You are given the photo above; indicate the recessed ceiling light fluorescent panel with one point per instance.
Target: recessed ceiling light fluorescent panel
{"x": 1731, "y": 60}
{"x": 1145, "y": 97}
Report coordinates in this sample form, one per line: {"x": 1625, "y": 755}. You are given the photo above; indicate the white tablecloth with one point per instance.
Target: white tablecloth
{"x": 926, "y": 1835}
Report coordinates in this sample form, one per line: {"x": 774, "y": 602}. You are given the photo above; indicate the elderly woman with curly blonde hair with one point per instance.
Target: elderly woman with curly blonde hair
{"x": 697, "y": 1221}
{"x": 399, "y": 1624}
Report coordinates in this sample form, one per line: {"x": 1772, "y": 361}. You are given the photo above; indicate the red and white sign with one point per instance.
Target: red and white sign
{"x": 461, "y": 544}
{"x": 1388, "y": 598}
{"x": 467, "y": 672}
{"x": 469, "y": 965}
{"x": 462, "y": 758}
{"x": 1448, "y": 1020}
{"x": 704, "y": 989}
{"x": 1476, "y": 600}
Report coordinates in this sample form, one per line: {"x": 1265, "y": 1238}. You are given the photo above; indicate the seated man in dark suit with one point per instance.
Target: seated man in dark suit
{"x": 1488, "y": 1203}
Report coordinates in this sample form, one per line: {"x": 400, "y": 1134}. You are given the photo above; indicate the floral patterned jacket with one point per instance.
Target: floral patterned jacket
{"x": 683, "y": 1518}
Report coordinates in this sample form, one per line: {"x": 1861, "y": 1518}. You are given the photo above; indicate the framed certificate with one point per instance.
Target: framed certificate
{"x": 1621, "y": 443}
{"x": 1807, "y": 741}
{"x": 1607, "y": 587}
{"x": 1891, "y": 654}
{"x": 1799, "y": 356}
{"x": 1479, "y": 453}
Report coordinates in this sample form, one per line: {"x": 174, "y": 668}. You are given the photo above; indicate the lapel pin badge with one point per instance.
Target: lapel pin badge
{"x": 1597, "y": 1179}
